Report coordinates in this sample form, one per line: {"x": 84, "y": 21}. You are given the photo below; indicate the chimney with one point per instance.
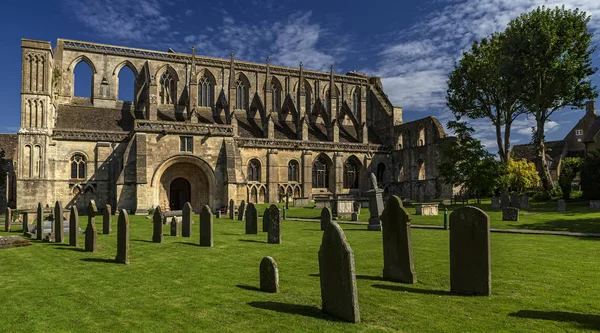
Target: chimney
{"x": 590, "y": 107}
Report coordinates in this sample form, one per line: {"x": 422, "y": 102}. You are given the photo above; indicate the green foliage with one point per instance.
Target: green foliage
{"x": 521, "y": 175}
{"x": 465, "y": 162}
{"x": 569, "y": 168}
{"x": 590, "y": 176}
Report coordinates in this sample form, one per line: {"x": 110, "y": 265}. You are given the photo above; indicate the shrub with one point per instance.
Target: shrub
{"x": 569, "y": 168}
{"x": 522, "y": 175}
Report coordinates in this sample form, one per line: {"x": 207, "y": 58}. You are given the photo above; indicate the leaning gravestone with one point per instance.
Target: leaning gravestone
{"x": 7, "y": 219}
{"x": 74, "y": 226}
{"x": 91, "y": 237}
{"x": 398, "y": 262}
{"x": 326, "y": 217}
{"x": 251, "y": 219}
{"x": 174, "y": 227}
{"x": 265, "y": 220}
{"x": 375, "y": 195}
{"x": 186, "y": 220}
{"x": 157, "y": 230}
{"x": 40, "y": 221}
{"x": 470, "y": 263}
{"x": 524, "y": 201}
{"x": 59, "y": 231}
{"x": 231, "y": 208}
{"x": 337, "y": 274}
{"x": 123, "y": 238}
{"x": 561, "y": 206}
{"x": 269, "y": 275}
{"x": 242, "y": 211}
{"x": 274, "y": 224}
{"x": 504, "y": 200}
{"x": 206, "y": 227}
{"x": 514, "y": 200}
{"x": 106, "y": 220}
{"x": 495, "y": 202}
{"x": 510, "y": 214}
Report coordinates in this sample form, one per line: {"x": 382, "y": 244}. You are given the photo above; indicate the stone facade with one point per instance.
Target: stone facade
{"x": 206, "y": 130}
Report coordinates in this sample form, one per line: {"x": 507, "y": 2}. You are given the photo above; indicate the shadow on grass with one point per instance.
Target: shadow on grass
{"x": 142, "y": 241}
{"x": 359, "y": 230}
{"x": 251, "y": 241}
{"x": 103, "y": 260}
{"x": 589, "y": 321}
{"x": 188, "y": 243}
{"x": 70, "y": 248}
{"x": 296, "y": 309}
{"x": 412, "y": 290}
{"x": 313, "y": 230}
{"x": 246, "y": 287}
{"x": 584, "y": 225}
{"x": 370, "y": 277}
{"x": 314, "y": 274}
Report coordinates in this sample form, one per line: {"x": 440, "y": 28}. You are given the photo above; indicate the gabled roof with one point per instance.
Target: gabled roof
{"x": 593, "y": 130}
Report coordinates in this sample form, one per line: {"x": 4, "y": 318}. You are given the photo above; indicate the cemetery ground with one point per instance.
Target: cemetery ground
{"x": 539, "y": 283}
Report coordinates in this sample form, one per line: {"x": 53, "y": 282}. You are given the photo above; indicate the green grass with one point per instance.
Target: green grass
{"x": 539, "y": 283}
{"x": 540, "y": 216}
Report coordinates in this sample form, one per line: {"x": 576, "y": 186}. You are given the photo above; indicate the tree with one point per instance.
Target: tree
{"x": 479, "y": 87}
{"x": 590, "y": 176}
{"x": 550, "y": 60}
{"x": 568, "y": 171}
{"x": 465, "y": 162}
{"x": 522, "y": 175}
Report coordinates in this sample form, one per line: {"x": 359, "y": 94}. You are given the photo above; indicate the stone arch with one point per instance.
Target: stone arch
{"x": 323, "y": 177}
{"x": 126, "y": 63}
{"x": 167, "y": 90}
{"x": 115, "y": 79}
{"x": 242, "y": 92}
{"x": 71, "y": 69}
{"x": 353, "y": 173}
{"x": 207, "y": 87}
{"x": 421, "y": 175}
{"x": 421, "y": 135}
{"x": 79, "y": 59}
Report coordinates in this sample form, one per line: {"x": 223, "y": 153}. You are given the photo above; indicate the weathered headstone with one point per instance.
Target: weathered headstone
{"x": 157, "y": 230}
{"x": 510, "y": 214}
{"x": 206, "y": 227}
{"x": 470, "y": 263}
{"x": 186, "y": 220}
{"x": 354, "y": 216}
{"x": 174, "y": 227}
{"x": 561, "y": 206}
{"x": 40, "y": 221}
{"x": 524, "y": 201}
{"x": 398, "y": 262}
{"x": 242, "y": 211}
{"x": 375, "y": 195}
{"x": 339, "y": 296}
{"x": 251, "y": 219}
{"x": 59, "y": 232}
{"x": 274, "y": 223}
{"x": 106, "y": 219}
{"x": 231, "y": 208}
{"x": 123, "y": 238}
{"x": 218, "y": 215}
{"x": 495, "y": 202}
{"x": 7, "y": 219}
{"x": 265, "y": 220}
{"x": 91, "y": 237}
{"x": 287, "y": 201}
{"x": 326, "y": 217}
{"x": 25, "y": 223}
{"x": 514, "y": 200}
{"x": 504, "y": 200}
{"x": 594, "y": 204}
{"x": 269, "y": 275}
{"x": 73, "y": 226}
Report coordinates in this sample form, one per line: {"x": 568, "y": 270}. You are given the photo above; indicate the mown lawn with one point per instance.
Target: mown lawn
{"x": 539, "y": 283}
{"x": 540, "y": 216}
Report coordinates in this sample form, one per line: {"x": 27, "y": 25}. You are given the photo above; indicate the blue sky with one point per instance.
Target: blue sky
{"x": 411, "y": 45}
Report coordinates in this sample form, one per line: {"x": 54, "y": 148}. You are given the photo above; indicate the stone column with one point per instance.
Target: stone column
{"x": 306, "y": 174}
{"x": 272, "y": 175}
{"x": 153, "y": 101}
{"x": 338, "y": 171}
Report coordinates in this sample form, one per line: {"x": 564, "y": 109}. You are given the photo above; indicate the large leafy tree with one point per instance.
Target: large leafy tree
{"x": 550, "y": 61}
{"x": 480, "y": 86}
{"x": 590, "y": 176}
{"x": 465, "y": 162}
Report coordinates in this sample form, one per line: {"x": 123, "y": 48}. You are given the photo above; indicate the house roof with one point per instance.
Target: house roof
{"x": 554, "y": 151}
{"x": 593, "y": 130}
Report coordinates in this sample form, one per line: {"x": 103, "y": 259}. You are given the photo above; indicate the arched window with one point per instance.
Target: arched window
{"x": 380, "y": 172}
{"x": 205, "y": 91}
{"x": 275, "y": 96}
{"x": 320, "y": 173}
{"x": 400, "y": 173}
{"x": 78, "y": 167}
{"x": 421, "y": 141}
{"x": 27, "y": 161}
{"x": 254, "y": 171}
{"x": 242, "y": 95}
{"x": 83, "y": 80}
{"x": 356, "y": 102}
{"x": 37, "y": 161}
{"x": 293, "y": 169}
{"x": 407, "y": 140}
{"x": 351, "y": 169}
{"x": 421, "y": 165}
{"x": 167, "y": 88}
{"x": 126, "y": 83}
{"x": 327, "y": 101}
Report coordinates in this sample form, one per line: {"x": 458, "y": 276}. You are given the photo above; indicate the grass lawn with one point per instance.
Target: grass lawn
{"x": 539, "y": 283}
{"x": 540, "y": 216}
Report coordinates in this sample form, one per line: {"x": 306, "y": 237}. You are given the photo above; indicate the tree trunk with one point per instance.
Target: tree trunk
{"x": 499, "y": 141}
{"x": 540, "y": 149}
{"x": 507, "y": 127}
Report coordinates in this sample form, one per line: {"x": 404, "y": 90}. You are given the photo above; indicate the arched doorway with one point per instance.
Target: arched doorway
{"x": 180, "y": 192}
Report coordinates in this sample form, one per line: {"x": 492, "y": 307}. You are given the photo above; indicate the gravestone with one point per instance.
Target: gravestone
{"x": 231, "y": 208}
{"x": 595, "y": 204}
{"x": 510, "y": 214}
{"x": 470, "y": 263}
{"x": 354, "y": 216}
{"x": 375, "y": 195}
{"x": 123, "y": 238}
{"x": 504, "y": 200}
{"x": 514, "y": 200}
{"x": 25, "y": 223}
{"x": 218, "y": 215}
{"x": 398, "y": 262}
{"x": 157, "y": 231}
{"x": 495, "y": 202}
{"x": 242, "y": 211}
{"x": 287, "y": 201}
{"x": 326, "y": 217}
{"x": 339, "y": 296}
{"x": 91, "y": 237}
{"x": 174, "y": 227}
{"x": 40, "y": 220}
{"x": 59, "y": 232}
{"x": 561, "y": 206}
{"x": 7, "y": 219}
{"x": 186, "y": 220}
{"x": 524, "y": 201}
{"x": 251, "y": 219}
{"x": 274, "y": 223}
{"x": 106, "y": 219}
{"x": 73, "y": 226}
{"x": 206, "y": 227}
{"x": 265, "y": 221}
{"x": 269, "y": 275}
